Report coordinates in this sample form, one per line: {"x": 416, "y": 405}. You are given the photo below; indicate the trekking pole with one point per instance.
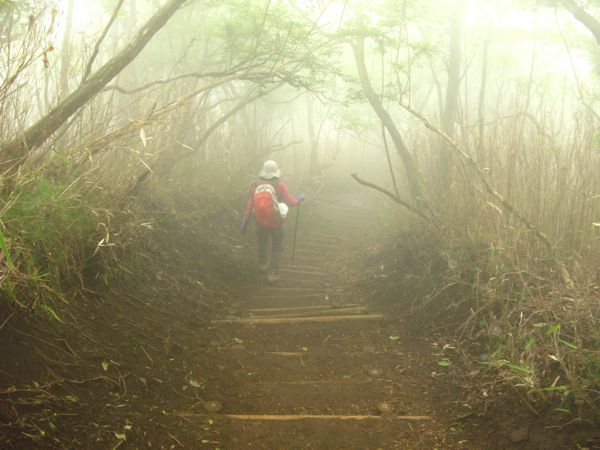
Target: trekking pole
{"x": 295, "y": 234}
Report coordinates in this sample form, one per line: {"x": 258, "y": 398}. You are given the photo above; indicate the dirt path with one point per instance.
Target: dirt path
{"x": 302, "y": 366}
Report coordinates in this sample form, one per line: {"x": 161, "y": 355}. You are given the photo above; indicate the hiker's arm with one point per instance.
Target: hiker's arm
{"x": 284, "y": 195}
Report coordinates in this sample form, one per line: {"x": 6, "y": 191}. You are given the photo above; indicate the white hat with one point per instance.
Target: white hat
{"x": 270, "y": 170}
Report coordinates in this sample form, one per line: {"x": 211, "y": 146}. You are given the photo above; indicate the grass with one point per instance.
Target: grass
{"x": 47, "y": 232}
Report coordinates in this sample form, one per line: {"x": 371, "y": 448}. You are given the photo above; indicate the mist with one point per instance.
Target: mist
{"x": 299, "y": 224}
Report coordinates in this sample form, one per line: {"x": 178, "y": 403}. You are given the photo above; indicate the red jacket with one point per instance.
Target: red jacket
{"x": 283, "y": 196}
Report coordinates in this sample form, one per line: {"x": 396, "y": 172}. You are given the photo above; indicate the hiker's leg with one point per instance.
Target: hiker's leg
{"x": 263, "y": 243}
{"x": 277, "y": 242}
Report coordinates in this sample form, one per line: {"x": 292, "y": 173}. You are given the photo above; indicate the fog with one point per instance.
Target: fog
{"x": 447, "y": 152}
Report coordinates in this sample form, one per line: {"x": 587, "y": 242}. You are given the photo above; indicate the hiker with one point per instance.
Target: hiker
{"x": 269, "y": 201}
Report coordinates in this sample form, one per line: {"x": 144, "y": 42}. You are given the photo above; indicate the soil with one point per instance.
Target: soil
{"x": 200, "y": 367}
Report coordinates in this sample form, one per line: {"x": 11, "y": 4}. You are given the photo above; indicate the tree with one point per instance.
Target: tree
{"x": 37, "y": 134}
{"x": 452, "y": 88}
{"x": 589, "y": 21}
{"x": 412, "y": 175}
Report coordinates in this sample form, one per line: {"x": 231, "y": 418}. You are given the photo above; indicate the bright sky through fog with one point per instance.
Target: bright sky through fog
{"x": 512, "y": 25}
{"x": 87, "y": 16}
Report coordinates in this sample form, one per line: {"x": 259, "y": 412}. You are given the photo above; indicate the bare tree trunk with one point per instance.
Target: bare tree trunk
{"x": 410, "y": 168}
{"x": 314, "y": 139}
{"x": 37, "y": 134}
{"x": 65, "y": 61}
{"x": 452, "y": 89}
{"x": 481, "y": 110}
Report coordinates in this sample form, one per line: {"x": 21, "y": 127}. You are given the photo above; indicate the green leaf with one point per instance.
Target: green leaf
{"x": 445, "y": 362}
{"x": 519, "y": 368}
{"x": 553, "y": 329}
{"x": 5, "y": 252}
{"x": 561, "y": 388}
{"x": 72, "y": 398}
{"x": 120, "y": 436}
{"x": 105, "y": 365}
{"x": 51, "y": 311}
{"x": 563, "y": 410}
{"x": 529, "y": 343}
{"x": 568, "y": 344}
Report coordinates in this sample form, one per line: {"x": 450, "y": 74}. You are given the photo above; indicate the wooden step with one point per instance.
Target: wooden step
{"x": 292, "y": 417}
{"x": 303, "y": 308}
{"x": 324, "y": 312}
{"x": 312, "y": 319}
{"x": 290, "y": 290}
{"x": 301, "y": 272}
{"x": 324, "y": 243}
{"x": 302, "y": 268}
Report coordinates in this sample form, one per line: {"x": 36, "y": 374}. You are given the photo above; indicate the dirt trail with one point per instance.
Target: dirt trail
{"x": 301, "y": 365}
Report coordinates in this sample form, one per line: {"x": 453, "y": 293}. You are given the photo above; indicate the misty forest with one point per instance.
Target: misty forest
{"x": 291, "y": 224}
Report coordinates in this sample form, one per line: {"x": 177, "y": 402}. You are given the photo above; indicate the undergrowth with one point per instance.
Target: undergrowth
{"x": 510, "y": 319}
{"x": 61, "y": 241}
{"x": 48, "y": 230}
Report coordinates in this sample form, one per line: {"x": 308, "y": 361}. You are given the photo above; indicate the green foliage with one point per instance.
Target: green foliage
{"x": 6, "y": 252}
{"x": 48, "y": 220}
{"x": 49, "y": 228}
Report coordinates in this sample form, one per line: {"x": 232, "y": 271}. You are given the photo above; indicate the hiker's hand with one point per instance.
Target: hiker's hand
{"x": 300, "y": 197}
{"x": 244, "y": 226}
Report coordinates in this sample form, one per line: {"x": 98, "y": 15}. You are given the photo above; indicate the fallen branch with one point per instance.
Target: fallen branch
{"x": 495, "y": 194}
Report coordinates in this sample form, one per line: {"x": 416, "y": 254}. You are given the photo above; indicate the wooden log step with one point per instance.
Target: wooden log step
{"x": 312, "y": 319}
{"x": 321, "y": 235}
{"x": 303, "y": 308}
{"x": 289, "y": 296}
{"x": 322, "y": 244}
{"x": 301, "y": 252}
{"x": 301, "y": 268}
{"x": 285, "y": 354}
{"x": 295, "y": 417}
{"x": 324, "y": 312}
{"x": 301, "y": 272}
{"x": 312, "y": 259}
{"x": 317, "y": 382}
{"x": 294, "y": 290}
{"x": 290, "y": 281}
{"x": 329, "y": 241}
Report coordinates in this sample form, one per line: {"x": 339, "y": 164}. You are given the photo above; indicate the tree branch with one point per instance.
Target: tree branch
{"x": 88, "y": 68}
{"x": 394, "y": 197}
{"x": 495, "y": 194}
{"x": 410, "y": 168}
{"x": 37, "y": 134}
{"x": 198, "y": 75}
{"x": 585, "y": 18}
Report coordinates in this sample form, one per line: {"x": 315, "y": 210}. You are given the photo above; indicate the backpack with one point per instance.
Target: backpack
{"x": 266, "y": 207}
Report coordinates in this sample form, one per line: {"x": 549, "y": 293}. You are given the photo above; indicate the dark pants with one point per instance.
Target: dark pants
{"x": 275, "y": 235}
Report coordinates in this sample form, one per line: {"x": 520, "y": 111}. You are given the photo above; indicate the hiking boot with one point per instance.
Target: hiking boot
{"x": 263, "y": 267}
{"x": 273, "y": 276}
